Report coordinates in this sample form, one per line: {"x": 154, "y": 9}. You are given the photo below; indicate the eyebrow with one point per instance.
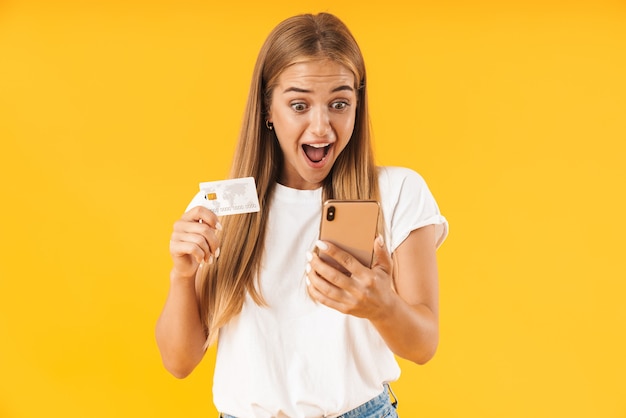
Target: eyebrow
{"x": 336, "y": 89}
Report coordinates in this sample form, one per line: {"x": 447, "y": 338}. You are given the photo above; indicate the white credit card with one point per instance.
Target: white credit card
{"x": 230, "y": 197}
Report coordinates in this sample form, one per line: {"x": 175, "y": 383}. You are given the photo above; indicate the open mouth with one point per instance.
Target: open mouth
{"x": 316, "y": 152}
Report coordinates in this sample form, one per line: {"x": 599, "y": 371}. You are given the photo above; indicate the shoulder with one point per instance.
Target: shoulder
{"x": 394, "y": 178}
{"x": 408, "y": 204}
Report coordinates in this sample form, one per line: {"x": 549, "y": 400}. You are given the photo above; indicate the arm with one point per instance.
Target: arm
{"x": 407, "y": 317}
{"x": 411, "y": 326}
{"x": 179, "y": 332}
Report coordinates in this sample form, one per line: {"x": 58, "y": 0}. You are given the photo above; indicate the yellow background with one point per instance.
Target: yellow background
{"x": 111, "y": 112}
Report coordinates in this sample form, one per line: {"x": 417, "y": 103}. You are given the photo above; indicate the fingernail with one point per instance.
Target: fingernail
{"x": 218, "y": 226}
{"x": 321, "y": 245}
{"x": 210, "y": 259}
{"x": 217, "y": 253}
{"x": 307, "y": 281}
{"x": 309, "y": 255}
{"x": 307, "y": 268}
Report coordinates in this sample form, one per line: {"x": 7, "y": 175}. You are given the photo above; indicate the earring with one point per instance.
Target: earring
{"x": 269, "y": 125}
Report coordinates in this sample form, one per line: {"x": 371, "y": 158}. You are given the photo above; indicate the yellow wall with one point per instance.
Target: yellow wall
{"x": 111, "y": 112}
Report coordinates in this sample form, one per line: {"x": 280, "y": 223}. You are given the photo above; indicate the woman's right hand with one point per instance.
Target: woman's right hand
{"x": 194, "y": 241}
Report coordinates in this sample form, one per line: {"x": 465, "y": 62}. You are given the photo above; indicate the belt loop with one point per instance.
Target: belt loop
{"x": 394, "y": 403}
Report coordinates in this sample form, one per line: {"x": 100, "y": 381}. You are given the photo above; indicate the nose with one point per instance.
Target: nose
{"x": 320, "y": 122}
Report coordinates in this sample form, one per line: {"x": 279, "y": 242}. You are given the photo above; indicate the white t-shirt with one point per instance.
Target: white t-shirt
{"x": 297, "y": 358}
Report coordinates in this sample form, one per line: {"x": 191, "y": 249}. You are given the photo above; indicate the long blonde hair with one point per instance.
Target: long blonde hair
{"x": 353, "y": 176}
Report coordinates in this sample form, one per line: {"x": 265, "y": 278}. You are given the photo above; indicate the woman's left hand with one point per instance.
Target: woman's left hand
{"x": 363, "y": 292}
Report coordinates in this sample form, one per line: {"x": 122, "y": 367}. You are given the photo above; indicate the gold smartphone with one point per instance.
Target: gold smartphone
{"x": 352, "y": 225}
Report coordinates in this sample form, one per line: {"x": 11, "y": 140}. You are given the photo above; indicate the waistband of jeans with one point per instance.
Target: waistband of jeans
{"x": 383, "y": 397}
{"x": 354, "y": 413}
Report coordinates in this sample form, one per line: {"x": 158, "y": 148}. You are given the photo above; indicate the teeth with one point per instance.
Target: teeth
{"x": 318, "y": 145}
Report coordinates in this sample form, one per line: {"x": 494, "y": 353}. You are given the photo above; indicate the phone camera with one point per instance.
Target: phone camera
{"x": 330, "y": 213}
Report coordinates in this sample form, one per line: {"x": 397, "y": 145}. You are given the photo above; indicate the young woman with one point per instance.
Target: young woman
{"x": 297, "y": 337}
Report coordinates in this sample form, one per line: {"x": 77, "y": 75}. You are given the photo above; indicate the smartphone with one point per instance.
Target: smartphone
{"x": 352, "y": 225}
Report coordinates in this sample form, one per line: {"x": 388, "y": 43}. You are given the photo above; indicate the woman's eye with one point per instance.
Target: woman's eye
{"x": 298, "y": 107}
{"x": 339, "y": 105}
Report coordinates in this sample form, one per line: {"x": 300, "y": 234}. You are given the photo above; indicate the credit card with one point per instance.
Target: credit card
{"x": 230, "y": 197}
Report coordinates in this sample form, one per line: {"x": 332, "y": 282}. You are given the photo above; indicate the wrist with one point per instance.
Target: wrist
{"x": 387, "y": 310}
{"x": 177, "y": 276}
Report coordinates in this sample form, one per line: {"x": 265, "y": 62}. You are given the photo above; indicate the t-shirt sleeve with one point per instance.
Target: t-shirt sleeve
{"x": 408, "y": 204}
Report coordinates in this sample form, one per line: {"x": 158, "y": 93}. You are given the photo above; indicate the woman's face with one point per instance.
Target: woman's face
{"x": 313, "y": 110}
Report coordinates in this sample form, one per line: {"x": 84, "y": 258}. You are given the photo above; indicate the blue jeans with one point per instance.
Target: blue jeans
{"x": 379, "y": 407}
